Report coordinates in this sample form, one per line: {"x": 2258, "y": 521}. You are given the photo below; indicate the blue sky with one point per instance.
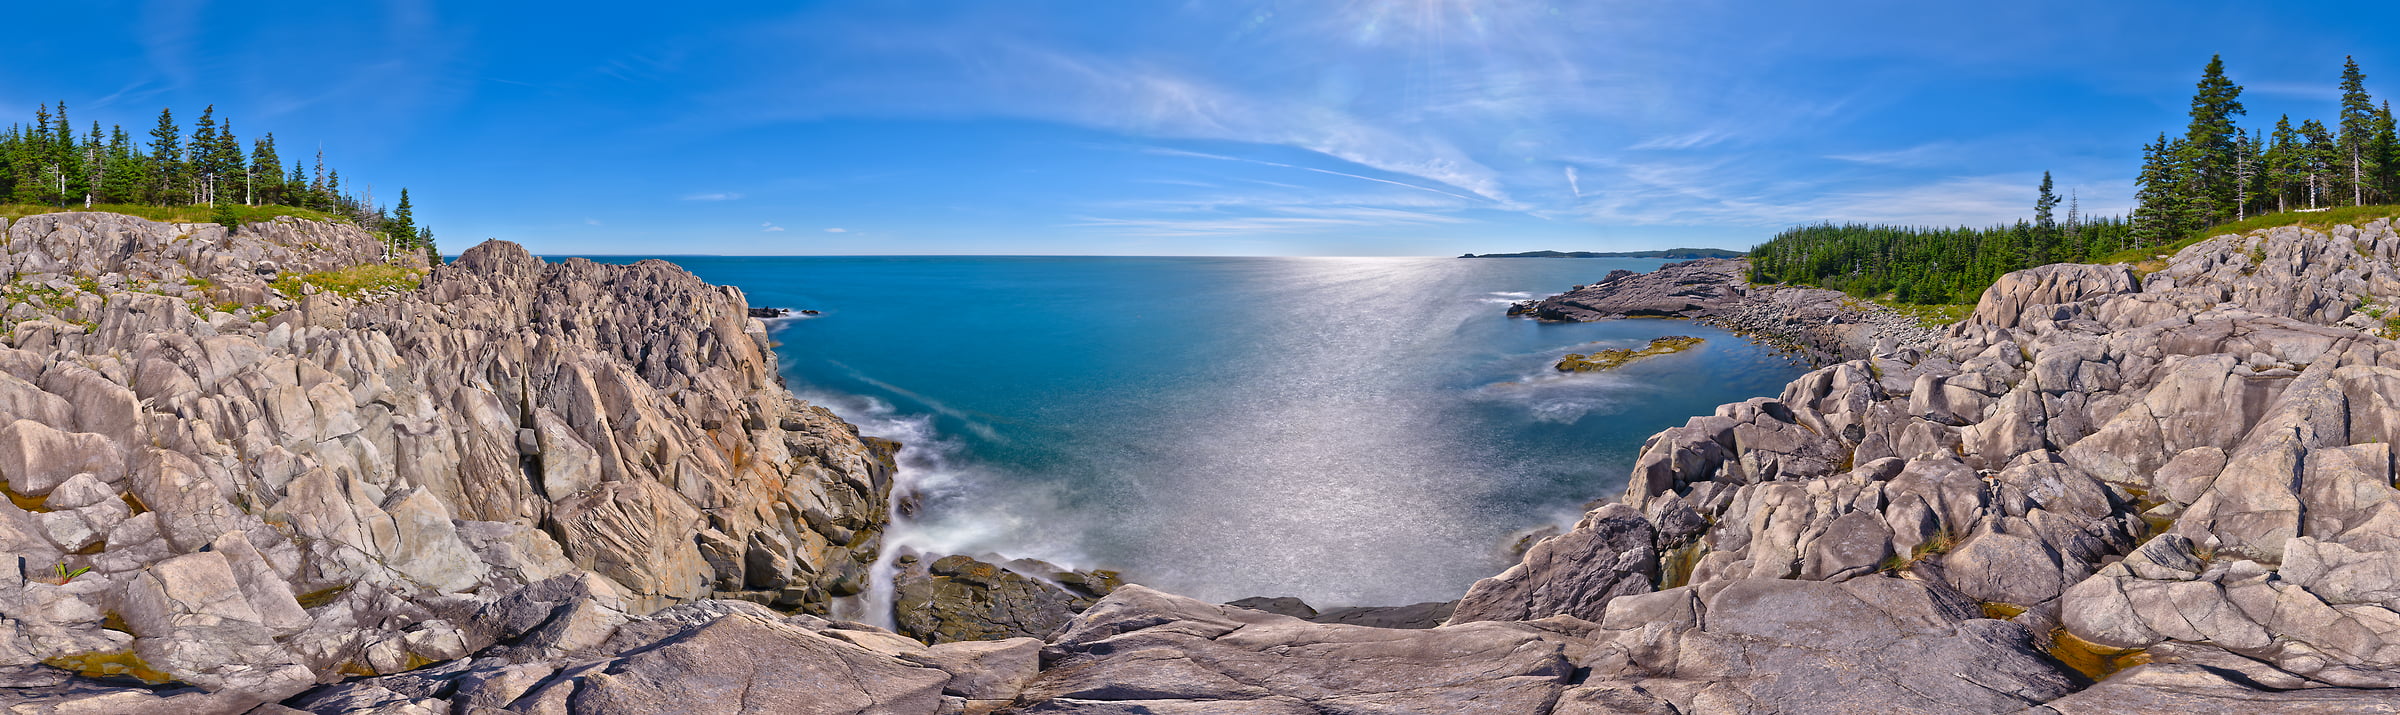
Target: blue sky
{"x": 1335, "y": 127}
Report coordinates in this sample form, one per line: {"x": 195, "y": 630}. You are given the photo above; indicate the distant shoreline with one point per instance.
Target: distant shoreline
{"x": 1681, "y": 253}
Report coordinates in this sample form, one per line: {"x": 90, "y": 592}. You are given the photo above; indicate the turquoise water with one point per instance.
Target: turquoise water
{"x": 1350, "y": 431}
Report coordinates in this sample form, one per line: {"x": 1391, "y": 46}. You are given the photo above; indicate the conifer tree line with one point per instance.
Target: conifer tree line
{"x": 2215, "y": 172}
{"x": 1924, "y": 264}
{"x": 2219, "y": 171}
{"x": 47, "y": 162}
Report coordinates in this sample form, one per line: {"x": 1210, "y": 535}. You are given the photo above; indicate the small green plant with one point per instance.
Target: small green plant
{"x": 65, "y": 575}
{"x": 353, "y": 281}
{"x": 1937, "y": 544}
{"x": 224, "y": 215}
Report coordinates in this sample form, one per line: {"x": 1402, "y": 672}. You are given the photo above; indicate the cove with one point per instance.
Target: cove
{"x": 1345, "y": 430}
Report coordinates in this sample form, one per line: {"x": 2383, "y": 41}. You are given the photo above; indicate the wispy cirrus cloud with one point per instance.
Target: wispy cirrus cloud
{"x": 1283, "y": 221}
{"x": 1682, "y": 140}
{"x": 713, "y": 196}
{"x": 1938, "y": 153}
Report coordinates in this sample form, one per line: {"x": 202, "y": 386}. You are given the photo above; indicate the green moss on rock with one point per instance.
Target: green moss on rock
{"x": 1616, "y": 358}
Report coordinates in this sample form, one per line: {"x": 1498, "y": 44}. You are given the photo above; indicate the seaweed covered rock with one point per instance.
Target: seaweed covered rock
{"x": 958, "y": 598}
{"x": 1618, "y": 357}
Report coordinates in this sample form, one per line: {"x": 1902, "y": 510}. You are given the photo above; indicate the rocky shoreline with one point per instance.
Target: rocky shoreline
{"x": 1822, "y": 326}
{"x": 520, "y": 486}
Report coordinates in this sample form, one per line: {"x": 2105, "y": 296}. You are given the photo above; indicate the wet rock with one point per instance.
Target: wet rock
{"x": 1279, "y": 605}
{"x": 958, "y": 598}
{"x": 1416, "y": 615}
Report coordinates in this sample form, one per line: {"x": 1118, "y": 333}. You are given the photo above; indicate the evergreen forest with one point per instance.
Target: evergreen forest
{"x": 2215, "y": 173}
{"x": 48, "y": 165}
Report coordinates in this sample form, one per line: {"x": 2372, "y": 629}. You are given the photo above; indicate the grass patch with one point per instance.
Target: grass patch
{"x": 2306, "y": 219}
{"x": 175, "y": 214}
{"x": 1939, "y": 543}
{"x": 353, "y": 281}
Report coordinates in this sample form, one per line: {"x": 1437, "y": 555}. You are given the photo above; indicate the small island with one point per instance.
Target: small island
{"x": 1618, "y": 357}
{"x": 1673, "y": 253}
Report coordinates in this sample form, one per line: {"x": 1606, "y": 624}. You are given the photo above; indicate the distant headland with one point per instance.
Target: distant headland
{"x": 1680, "y": 253}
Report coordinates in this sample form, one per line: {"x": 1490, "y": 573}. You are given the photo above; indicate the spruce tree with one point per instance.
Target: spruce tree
{"x": 68, "y": 157}
{"x": 95, "y": 165}
{"x": 2321, "y": 159}
{"x": 2385, "y": 155}
{"x": 2043, "y": 204}
{"x": 166, "y": 160}
{"x": 128, "y": 170}
{"x": 2207, "y": 148}
{"x": 2157, "y": 214}
{"x": 2284, "y": 163}
{"x": 2357, "y": 129}
{"x": 203, "y": 157}
{"x": 267, "y": 170}
{"x": 226, "y": 155}
{"x": 402, "y": 226}
{"x": 224, "y": 215}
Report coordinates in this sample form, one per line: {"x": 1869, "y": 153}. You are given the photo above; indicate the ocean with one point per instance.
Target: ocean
{"x": 1351, "y": 431}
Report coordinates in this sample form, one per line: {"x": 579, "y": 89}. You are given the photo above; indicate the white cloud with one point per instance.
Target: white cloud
{"x": 972, "y": 71}
{"x": 1574, "y": 182}
{"x": 770, "y": 227}
{"x": 1685, "y": 140}
{"x": 837, "y": 229}
{"x": 718, "y": 196}
{"x": 1200, "y": 155}
{"x": 1941, "y": 153}
{"x": 591, "y": 222}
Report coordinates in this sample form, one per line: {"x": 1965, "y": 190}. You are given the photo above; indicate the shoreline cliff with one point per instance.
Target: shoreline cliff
{"x": 571, "y": 488}
{"x": 1821, "y": 325}
{"x": 227, "y": 473}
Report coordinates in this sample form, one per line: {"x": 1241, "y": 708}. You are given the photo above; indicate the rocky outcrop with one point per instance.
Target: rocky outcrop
{"x": 1690, "y": 289}
{"x": 2189, "y": 468}
{"x": 1824, "y": 326}
{"x": 240, "y": 464}
{"x": 1613, "y": 358}
{"x": 2102, "y": 492}
{"x": 959, "y": 598}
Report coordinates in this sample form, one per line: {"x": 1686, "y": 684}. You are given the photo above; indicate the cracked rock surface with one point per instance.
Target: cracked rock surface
{"x": 2105, "y": 491}
{"x": 229, "y": 483}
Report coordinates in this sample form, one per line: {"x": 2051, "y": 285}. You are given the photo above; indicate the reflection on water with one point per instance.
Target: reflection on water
{"x": 1345, "y": 430}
